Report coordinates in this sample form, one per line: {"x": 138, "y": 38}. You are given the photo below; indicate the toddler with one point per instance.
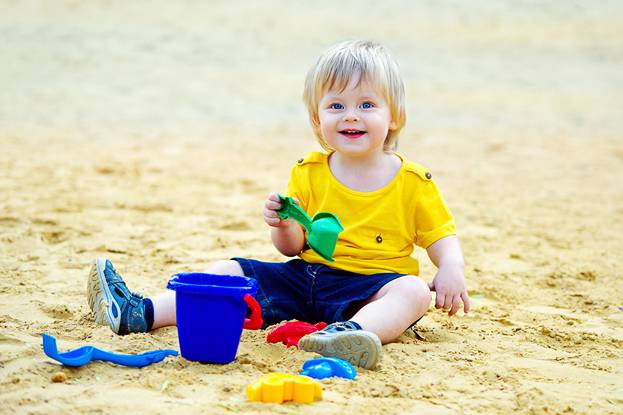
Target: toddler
{"x": 371, "y": 293}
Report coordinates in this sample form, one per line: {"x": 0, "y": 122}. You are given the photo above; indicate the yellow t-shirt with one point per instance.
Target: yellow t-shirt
{"x": 380, "y": 227}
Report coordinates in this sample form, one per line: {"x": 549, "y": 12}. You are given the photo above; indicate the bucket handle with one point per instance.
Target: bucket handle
{"x": 254, "y": 321}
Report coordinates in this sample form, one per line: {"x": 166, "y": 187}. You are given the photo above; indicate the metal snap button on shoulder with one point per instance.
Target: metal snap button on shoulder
{"x": 428, "y": 175}
{"x": 379, "y": 239}
{"x": 300, "y": 160}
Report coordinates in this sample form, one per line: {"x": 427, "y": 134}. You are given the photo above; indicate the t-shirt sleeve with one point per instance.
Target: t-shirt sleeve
{"x": 296, "y": 186}
{"x": 433, "y": 219}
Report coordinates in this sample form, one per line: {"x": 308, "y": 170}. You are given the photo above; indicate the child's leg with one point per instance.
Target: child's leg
{"x": 393, "y": 308}
{"x": 164, "y": 303}
{"x": 383, "y": 317}
{"x": 113, "y": 304}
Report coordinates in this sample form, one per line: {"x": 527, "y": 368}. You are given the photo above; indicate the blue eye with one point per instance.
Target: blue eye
{"x": 336, "y": 106}
{"x": 367, "y": 105}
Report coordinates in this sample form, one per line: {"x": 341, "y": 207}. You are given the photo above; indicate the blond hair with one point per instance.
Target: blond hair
{"x": 337, "y": 66}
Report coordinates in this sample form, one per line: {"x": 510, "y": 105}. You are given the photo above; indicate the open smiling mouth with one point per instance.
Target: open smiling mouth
{"x": 352, "y": 133}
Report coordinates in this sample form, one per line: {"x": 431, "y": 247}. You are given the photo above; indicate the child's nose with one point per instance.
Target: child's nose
{"x": 350, "y": 115}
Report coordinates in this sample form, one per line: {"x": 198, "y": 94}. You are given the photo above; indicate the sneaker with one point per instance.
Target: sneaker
{"x": 345, "y": 341}
{"x": 112, "y": 303}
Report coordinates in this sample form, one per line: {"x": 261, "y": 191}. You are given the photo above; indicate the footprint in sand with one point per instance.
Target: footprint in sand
{"x": 54, "y": 237}
{"x": 57, "y": 311}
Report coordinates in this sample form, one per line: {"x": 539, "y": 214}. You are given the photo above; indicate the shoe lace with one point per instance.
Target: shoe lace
{"x": 121, "y": 284}
{"x": 137, "y": 295}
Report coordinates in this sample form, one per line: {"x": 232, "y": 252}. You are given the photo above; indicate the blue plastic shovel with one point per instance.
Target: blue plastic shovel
{"x": 86, "y": 354}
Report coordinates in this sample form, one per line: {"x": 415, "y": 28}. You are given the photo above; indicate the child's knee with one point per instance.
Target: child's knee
{"x": 416, "y": 289}
{"x": 225, "y": 267}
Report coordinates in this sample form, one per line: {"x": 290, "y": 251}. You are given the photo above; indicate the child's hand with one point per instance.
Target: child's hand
{"x": 449, "y": 282}
{"x": 287, "y": 235}
{"x": 271, "y": 206}
{"x": 450, "y": 289}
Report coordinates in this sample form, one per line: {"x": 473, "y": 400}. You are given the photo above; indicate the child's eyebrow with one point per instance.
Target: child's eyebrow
{"x": 369, "y": 97}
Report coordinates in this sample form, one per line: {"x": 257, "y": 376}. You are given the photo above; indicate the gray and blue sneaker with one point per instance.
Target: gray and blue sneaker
{"x": 111, "y": 301}
{"x": 346, "y": 341}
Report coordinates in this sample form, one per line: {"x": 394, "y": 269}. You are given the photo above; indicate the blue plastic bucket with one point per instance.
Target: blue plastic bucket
{"x": 210, "y": 314}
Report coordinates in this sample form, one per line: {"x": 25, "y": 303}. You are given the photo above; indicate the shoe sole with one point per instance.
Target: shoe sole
{"x": 361, "y": 348}
{"x": 100, "y": 298}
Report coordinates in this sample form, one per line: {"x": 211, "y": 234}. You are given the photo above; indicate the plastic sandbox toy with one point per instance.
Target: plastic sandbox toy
{"x": 86, "y": 354}
{"x": 291, "y": 332}
{"x": 322, "y": 230}
{"x": 284, "y": 387}
{"x": 326, "y": 367}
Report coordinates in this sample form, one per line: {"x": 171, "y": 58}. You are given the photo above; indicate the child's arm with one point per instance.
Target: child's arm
{"x": 449, "y": 282}
{"x": 287, "y": 235}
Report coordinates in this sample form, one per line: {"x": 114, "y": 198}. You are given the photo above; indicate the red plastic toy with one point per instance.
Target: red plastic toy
{"x": 254, "y": 321}
{"x": 291, "y": 332}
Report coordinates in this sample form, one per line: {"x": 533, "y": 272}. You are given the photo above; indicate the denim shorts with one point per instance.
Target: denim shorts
{"x": 298, "y": 290}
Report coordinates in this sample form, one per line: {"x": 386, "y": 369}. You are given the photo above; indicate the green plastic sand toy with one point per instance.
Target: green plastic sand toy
{"x": 322, "y": 230}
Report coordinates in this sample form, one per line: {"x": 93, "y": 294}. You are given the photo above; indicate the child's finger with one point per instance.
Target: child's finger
{"x": 466, "y": 303}
{"x": 271, "y": 217}
{"x": 274, "y": 197}
{"x": 272, "y": 205}
{"x": 270, "y": 213}
{"x": 447, "y": 302}
{"x": 272, "y": 221}
{"x": 439, "y": 300}
{"x": 456, "y": 304}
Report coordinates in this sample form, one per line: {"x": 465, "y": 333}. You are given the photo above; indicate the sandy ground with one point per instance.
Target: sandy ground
{"x": 151, "y": 132}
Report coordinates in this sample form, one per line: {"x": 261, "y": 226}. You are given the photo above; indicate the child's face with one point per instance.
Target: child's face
{"x": 355, "y": 121}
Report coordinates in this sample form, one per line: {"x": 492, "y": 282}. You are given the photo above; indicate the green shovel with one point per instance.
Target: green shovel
{"x": 322, "y": 231}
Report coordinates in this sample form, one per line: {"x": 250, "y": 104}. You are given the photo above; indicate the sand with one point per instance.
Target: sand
{"x": 151, "y": 134}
